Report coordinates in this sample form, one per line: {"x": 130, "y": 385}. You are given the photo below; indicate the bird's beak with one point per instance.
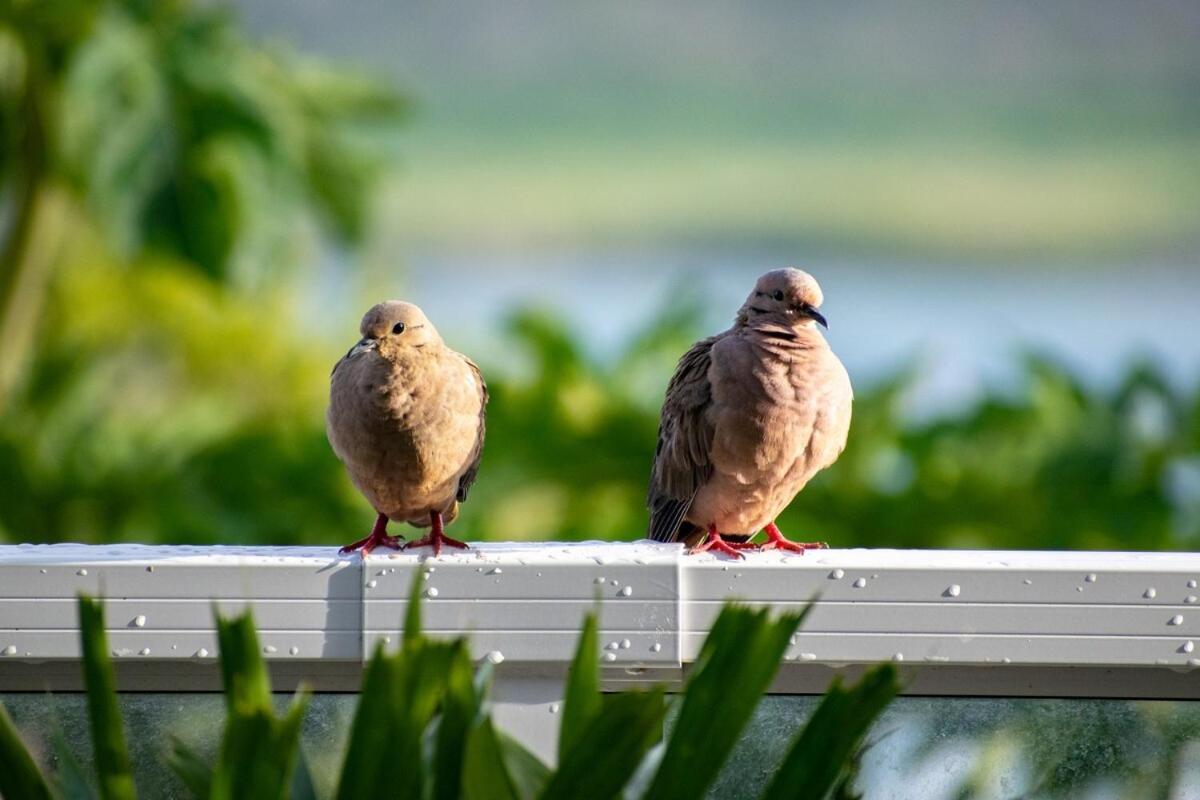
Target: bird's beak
{"x": 813, "y": 314}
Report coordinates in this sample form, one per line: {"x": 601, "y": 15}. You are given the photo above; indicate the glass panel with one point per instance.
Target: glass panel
{"x": 932, "y": 748}
{"x": 922, "y": 748}
{"x": 151, "y": 719}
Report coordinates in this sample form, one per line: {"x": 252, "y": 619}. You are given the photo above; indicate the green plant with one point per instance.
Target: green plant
{"x": 427, "y": 706}
{"x": 164, "y": 129}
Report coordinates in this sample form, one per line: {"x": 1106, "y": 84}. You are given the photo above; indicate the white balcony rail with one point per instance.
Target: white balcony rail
{"x": 976, "y": 623}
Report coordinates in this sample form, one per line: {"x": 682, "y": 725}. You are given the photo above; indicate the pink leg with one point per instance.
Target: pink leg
{"x": 776, "y": 541}
{"x": 437, "y": 536}
{"x": 714, "y": 542}
{"x": 377, "y": 537}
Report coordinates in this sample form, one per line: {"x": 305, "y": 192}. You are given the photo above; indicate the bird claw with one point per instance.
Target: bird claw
{"x": 714, "y": 542}
{"x": 437, "y": 540}
{"x": 377, "y": 538}
{"x": 777, "y": 541}
{"x": 369, "y": 543}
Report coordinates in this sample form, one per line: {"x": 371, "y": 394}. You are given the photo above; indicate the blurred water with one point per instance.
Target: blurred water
{"x": 963, "y": 326}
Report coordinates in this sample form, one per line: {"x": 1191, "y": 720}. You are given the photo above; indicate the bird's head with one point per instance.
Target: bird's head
{"x": 787, "y": 297}
{"x": 394, "y": 326}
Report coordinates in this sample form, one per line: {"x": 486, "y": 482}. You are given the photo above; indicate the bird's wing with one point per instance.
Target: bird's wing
{"x": 468, "y": 477}
{"x": 685, "y": 435}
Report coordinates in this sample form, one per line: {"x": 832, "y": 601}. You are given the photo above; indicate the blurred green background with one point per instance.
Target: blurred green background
{"x": 198, "y": 200}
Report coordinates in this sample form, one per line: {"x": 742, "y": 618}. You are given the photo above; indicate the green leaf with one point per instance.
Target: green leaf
{"x": 459, "y": 710}
{"x": 581, "y": 699}
{"x": 243, "y": 671}
{"x": 412, "y": 612}
{"x": 485, "y": 772}
{"x": 826, "y": 746}
{"x": 735, "y": 666}
{"x": 192, "y": 770}
{"x": 113, "y": 771}
{"x": 400, "y": 695}
{"x": 258, "y": 751}
{"x": 601, "y": 762}
{"x": 19, "y": 774}
{"x": 528, "y": 774}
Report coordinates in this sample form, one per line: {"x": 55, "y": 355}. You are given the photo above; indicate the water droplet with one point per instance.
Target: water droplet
{"x": 1190, "y": 599}
{"x": 898, "y": 657}
{"x": 860, "y": 583}
{"x": 150, "y": 568}
{"x": 494, "y": 657}
{"x": 1191, "y": 584}
{"x": 626, "y": 644}
{"x": 953, "y": 590}
{"x": 554, "y": 708}
{"x": 1027, "y": 582}
{"x": 1176, "y": 620}
{"x": 81, "y": 572}
{"x": 808, "y": 656}
{"x": 11, "y": 650}
{"x": 1194, "y": 662}
{"x": 139, "y": 621}
{"x": 1006, "y": 660}
{"x": 610, "y": 657}
{"x": 495, "y": 571}
{"x": 613, "y": 582}
{"x": 1090, "y": 577}
{"x": 837, "y": 574}
{"x": 371, "y": 584}
{"x": 1187, "y": 646}
{"x": 202, "y": 653}
{"x": 612, "y": 646}
{"x": 145, "y": 651}
{"x": 431, "y": 591}
{"x": 429, "y": 570}
{"x": 599, "y": 581}
{"x": 293, "y": 650}
{"x": 42, "y": 571}
{"x": 268, "y": 649}
{"x": 626, "y": 592}
{"x": 1150, "y": 593}
{"x": 656, "y": 648}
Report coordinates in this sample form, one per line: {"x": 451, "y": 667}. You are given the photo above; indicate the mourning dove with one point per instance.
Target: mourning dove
{"x": 406, "y": 416}
{"x": 750, "y": 415}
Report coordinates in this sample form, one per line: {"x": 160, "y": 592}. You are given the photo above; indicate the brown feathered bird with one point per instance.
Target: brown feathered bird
{"x": 406, "y": 416}
{"x": 750, "y": 415}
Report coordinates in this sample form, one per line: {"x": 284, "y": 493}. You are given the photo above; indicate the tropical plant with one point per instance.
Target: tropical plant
{"x": 163, "y": 128}
{"x": 429, "y": 702}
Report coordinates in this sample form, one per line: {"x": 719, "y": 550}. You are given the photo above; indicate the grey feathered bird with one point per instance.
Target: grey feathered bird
{"x": 406, "y": 416}
{"x": 750, "y": 415}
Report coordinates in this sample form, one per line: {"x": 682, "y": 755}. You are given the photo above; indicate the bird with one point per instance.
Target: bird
{"x": 750, "y": 416}
{"x": 407, "y": 418}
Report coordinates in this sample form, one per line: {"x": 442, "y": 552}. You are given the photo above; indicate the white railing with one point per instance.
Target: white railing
{"x": 1026, "y": 624}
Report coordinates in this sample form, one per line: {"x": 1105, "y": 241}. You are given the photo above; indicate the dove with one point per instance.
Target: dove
{"x": 406, "y": 417}
{"x": 750, "y": 416}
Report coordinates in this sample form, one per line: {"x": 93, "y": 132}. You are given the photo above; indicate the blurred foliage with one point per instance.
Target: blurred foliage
{"x": 178, "y": 411}
{"x": 162, "y": 127}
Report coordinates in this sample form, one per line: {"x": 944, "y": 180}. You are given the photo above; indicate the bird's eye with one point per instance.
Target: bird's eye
{"x": 778, "y": 294}
{"x": 398, "y": 327}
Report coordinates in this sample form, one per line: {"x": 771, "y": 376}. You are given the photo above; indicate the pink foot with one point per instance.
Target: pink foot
{"x": 437, "y": 537}
{"x": 776, "y": 541}
{"x": 714, "y": 542}
{"x": 378, "y": 537}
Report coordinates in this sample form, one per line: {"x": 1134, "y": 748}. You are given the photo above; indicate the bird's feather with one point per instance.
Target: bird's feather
{"x": 681, "y": 460}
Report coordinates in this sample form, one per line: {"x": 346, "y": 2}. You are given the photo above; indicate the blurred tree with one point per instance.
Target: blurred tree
{"x": 158, "y": 123}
